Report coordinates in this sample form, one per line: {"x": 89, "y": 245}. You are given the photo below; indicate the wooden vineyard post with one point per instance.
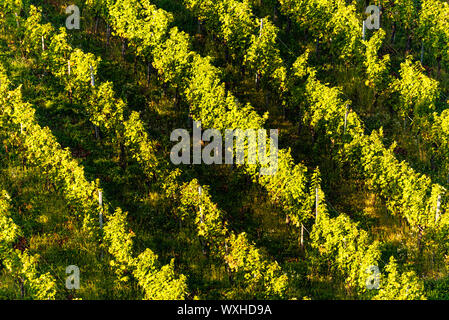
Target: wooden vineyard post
{"x": 97, "y": 132}
{"x": 92, "y": 77}
{"x": 422, "y": 51}
{"x": 189, "y": 119}
{"x": 123, "y": 47}
{"x": 437, "y": 216}
{"x": 100, "y": 216}
{"x": 437, "y": 212}
{"x": 228, "y": 269}
{"x": 198, "y": 26}
{"x": 17, "y": 20}
{"x": 200, "y": 192}
{"x": 148, "y": 72}
{"x": 257, "y": 78}
{"x": 363, "y": 30}
{"x": 69, "y": 72}
{"x": 346, "y": 118}
{"x": 92, "y": 83}
{"x": 108, "y": 32}
{"x": 100, "y": 204}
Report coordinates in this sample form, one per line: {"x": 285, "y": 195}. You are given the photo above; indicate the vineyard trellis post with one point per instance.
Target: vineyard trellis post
{"x": 260, "y": 34}
{"x": 69, "y": 71}
{"x": 92, "y": 77}
{"x": 422, "y": 51}
{"x": 97, "y": 132}
{"x": 123, "y": 47}
{"x": 92, "y": 83}
{"x": 100, "y": 204}
{"x": 17, "y": 19}
{"x": 108, "y": 32}
{"x": 200, "y": 192}
{"x": 346, "y": 118}
{"x": 228, "y": 269}
{"x": 22, "y": 288}
{"x": 148, "y": 72}
{"x": 100, "y": 216}
{"x": 363, "y": 30}
{"x": 437, "y": 211}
